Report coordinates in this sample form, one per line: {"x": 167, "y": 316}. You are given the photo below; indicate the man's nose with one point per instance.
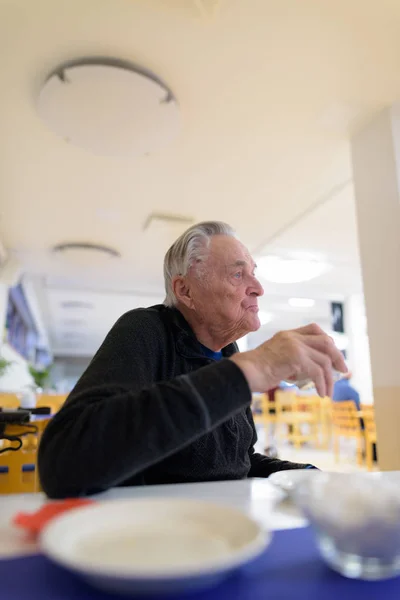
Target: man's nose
{"x": 256, "y": 288}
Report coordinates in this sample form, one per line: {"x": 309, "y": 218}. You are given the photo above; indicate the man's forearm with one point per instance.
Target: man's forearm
{"x": 263, "y": 466}
{"x": 105, "y": 435}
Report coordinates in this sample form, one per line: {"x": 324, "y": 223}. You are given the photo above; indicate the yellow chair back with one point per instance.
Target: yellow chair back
{"x": 18, "y": 468}
{"x": 298, "y": 417}
{"x": 54, "y": 401}
{"x": 346, "y": 424}
{"x": 9, "y": 400}
{"x": 345, "y": 419}
{"x": 368, "y": 415}
{"x": 262, "y": 408}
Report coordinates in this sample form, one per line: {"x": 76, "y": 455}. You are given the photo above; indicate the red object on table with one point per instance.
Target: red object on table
{"x": 35, "y": 522}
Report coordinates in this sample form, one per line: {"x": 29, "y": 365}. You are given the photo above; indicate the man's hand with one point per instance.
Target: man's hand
{"x": 304, "y": 353}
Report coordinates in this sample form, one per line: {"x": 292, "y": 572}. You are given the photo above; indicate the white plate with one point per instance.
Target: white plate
{"x": 153, "y": 545}
{"x": 288, "y": 480}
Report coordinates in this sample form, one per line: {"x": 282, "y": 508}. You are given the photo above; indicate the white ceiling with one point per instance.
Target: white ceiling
{"x": 269, "y": 92}
{"x": 79, "y": 317}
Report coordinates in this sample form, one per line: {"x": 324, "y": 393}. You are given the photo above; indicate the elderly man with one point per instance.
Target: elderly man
{"x": 166, "y": 399}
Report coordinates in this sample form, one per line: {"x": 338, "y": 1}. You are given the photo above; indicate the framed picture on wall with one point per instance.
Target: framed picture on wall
{"x": 337, "y": 312}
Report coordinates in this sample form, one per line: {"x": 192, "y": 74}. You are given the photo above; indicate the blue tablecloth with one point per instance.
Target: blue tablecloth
{"x": 290, "y": 568}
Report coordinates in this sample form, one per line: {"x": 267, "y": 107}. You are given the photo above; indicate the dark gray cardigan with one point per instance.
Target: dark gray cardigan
{"x": 151, "y": 408}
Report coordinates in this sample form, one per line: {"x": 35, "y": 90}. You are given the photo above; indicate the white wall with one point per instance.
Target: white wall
{"x": 243, "y": 343}
{"x": 358, "y": 356}
{"x": 17, "y": 377}
{"x": 67, "y": 370}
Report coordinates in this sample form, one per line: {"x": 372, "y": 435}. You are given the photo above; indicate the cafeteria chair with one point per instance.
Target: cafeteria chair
{"x": 298, "y": 418}
{"x": 18, "y": 459}
{"x": 52, "y": 401}
{"x": 368, "y": 416}
{"x": 9, "y": 400}
{"x": 263, "y": 410}
{"x": 346, "y": 424}
{"x": 264, "y": 414}
{"x": 326, "y": 422}
{"x": 257, "y": 408}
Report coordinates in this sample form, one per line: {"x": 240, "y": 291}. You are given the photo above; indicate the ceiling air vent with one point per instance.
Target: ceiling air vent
{"x": 162, "y": 229}
{"x": 68, "y": 304}
{"x": 207, "y": 8}
{"x": 167, "y": 220}
{"x": 195, "y": 9}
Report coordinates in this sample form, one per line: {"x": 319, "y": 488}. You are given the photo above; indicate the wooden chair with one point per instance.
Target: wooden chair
{"x": 326, "y": 422}
{"x": 264, "y": 414}
{"x": 346, "y": 424}
{"x": 53, "y": 401}
{"x": 257, "y": 408}
{"x": 263, "y": 409}
{"x": 9, "y": 400}
{"x": 368, "y": 416}
{"x": 298, "y": 418}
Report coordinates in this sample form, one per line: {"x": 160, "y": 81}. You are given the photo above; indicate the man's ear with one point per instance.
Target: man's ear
{"x": 182, "y": 291}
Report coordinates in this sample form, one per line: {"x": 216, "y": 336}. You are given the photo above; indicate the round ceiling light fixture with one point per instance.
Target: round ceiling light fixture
{"x": 83, "y": 254}
{"x": 109, "y": 107}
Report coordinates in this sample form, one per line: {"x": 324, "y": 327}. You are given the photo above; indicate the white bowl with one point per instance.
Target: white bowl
{"x": 153, "y": 545}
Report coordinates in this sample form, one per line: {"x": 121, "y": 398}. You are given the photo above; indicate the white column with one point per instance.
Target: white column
{"x": 375, "y": 155}
{"x": 358, "y": 353}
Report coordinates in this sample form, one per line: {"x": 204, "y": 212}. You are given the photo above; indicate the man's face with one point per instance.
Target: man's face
{"x": 224, "y": 290}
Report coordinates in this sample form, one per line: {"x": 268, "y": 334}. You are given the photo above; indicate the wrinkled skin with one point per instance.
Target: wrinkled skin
{"x": 219, "y": 295}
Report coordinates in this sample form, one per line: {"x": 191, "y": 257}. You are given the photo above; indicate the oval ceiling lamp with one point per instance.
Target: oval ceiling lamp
{"x": 85, "y": 255}
{"x": 109, "y": 107}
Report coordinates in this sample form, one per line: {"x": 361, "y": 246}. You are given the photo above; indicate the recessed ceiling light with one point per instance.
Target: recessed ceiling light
{"x": 301, "y": 302}
{"x": 264, "y": 317}
{"x": 288, "y": 270}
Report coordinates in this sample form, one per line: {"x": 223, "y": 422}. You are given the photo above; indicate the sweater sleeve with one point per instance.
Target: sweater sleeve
{"x": 263, "y": 466}
{"x": 110, "y": 431}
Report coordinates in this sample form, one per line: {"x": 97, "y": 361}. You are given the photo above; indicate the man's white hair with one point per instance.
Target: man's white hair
{"x": 189, "y": 249}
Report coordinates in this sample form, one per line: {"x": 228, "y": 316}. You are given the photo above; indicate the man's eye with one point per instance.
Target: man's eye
{"x": 238, "y": 275}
